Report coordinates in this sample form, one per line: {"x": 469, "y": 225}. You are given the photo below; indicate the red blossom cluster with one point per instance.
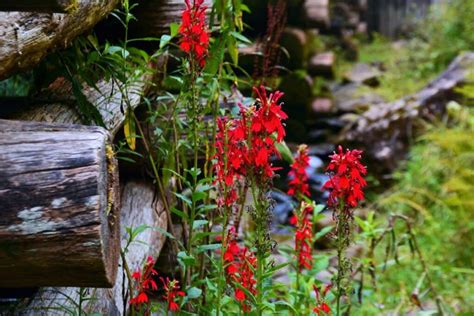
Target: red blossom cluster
{"x": 172, "y": 290}
{"x": 304, "y": 237}
{"x": 322, "y": 306}
{"x": 245, "y": 144}
{"x": 346, "y": 182}
{"x": 144, "y": 282}
{"x": 240, "y": 266}
{"x": 194, "y": 34}
{"x": 299, "y": 179}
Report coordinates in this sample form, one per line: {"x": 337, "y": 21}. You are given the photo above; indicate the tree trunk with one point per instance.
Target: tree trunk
{"x": 28, "y": 37}
{"x": 44, "y": 6}
{"x": 60, "y": 220}
{"x": 139, "y": 206}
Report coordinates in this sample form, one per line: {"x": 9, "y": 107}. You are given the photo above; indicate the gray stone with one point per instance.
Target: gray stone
{"x": 322, "y": 65}
{"x": 294, "y": 41}
{"x": 322, "y": 106}
{"x": 363, "y": 74}
{"x": 348, "y": 98}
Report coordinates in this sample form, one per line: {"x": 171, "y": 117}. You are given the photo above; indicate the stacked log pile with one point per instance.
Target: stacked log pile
{"x": 66, "y": 210}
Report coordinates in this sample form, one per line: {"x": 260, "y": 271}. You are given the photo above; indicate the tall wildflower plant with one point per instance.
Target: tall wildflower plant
{"x": 345, "y": 187}
{"x": 244, "y": 147}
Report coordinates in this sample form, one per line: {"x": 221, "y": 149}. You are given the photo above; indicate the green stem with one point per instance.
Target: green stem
{"x": 340, "y": 254}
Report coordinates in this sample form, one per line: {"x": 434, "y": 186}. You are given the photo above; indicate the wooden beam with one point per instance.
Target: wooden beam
{"x": 27, "y": 37}
{"x": 38, "y": 6}
{"x": 59, "y": 222}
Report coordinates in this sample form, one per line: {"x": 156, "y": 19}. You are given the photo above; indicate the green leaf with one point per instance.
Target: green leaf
{"x": 184, "y": 198}
{"x": 241, "y": 38}
{"x": 194, "y": 292}
{"x": 198, "y": 196}
{"x": 285, "y": 152}
{"x": 164, "y": 40}
{"x": 202, "y": 248}
{"x": 323, "y": 232}
{"x": 233, "y": 51}
{"x": 174, "y": 27}
{"x": 129, "y": 129}
{"x": 199, "y": 223}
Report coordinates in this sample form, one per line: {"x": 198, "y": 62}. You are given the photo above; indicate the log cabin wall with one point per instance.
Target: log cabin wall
{"x": 392, "y": 17}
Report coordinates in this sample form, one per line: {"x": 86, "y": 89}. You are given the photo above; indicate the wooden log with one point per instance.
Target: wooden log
{"x": 60, "y": 206}
{"x": 154, "y": 17}
{"x": 384, "y": 129}
{"x": 25, "y": 38}
{"x": 108, "y": 99}
{"x": 140, "y": 205}
{"x": 38, "y": 6}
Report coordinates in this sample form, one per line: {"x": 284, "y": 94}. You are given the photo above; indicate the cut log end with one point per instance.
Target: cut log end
{"x": 60, "y": 206}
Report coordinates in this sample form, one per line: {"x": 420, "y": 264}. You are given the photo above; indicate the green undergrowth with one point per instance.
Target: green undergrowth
{"x": 410, "y": 63}
{"x": 435, "y": 189}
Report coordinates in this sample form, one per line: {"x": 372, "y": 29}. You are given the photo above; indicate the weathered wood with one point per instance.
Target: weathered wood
{"x": 139, "y": 206}
{"x": 59, "y": 220}
{"x": 384, "y": 129}
{"x": 108, "y": 99}
{"x": 25, "y": 38}
{"x": 38, "y": 6}
{"x": 155, "y": 16}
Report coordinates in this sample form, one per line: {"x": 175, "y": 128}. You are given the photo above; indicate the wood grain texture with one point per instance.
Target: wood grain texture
{"x": 59, "y": 219}
{"x": 38, "y": 6}
{"x": 139, "y": 206}
{"x": 155, "y": 16}
{"x": 107, "y": 98}
{"x": 25, "y": 37}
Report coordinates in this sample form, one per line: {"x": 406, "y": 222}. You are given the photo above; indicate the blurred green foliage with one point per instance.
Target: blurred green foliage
{"x": 411, "y": 63}
{"x": 436, "y": 189}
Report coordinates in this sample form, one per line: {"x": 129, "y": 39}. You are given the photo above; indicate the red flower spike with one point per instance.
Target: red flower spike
{"x": 346, "y": 182}
{"x": 144, "y": 282}
{"x": 322, "y": 308}
{"x": 304, "y": 237}
{"x": 194, "y": 34}
{"x": 245, "y": 145}
{"x": 172, "y": 290}
{"x": 299, "y": 178}
{"x": 240, "y": 269}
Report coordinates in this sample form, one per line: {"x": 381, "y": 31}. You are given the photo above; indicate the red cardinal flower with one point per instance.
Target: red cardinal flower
{"x": 194, "y": 34}
{"x": 346, "y": 181}
{"x": 144, "y": 282}
{"x": 240, "y": 264}
{"x": 322, "y": 306}
{"x": 304, "y": 237}
{"x": 299, "y": 178}
{"x": 244, "y": 145}
{"x": 172, "y": 290}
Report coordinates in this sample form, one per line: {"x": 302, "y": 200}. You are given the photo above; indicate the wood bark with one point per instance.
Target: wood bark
{"x": 60, "y": 204}
{"x": 38, "y": 6}
{"x": 139, "y": 205}
{"x": 384, "y": 130}
{"x": 108, "y": 99}
{"x": 25, "y": 37}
